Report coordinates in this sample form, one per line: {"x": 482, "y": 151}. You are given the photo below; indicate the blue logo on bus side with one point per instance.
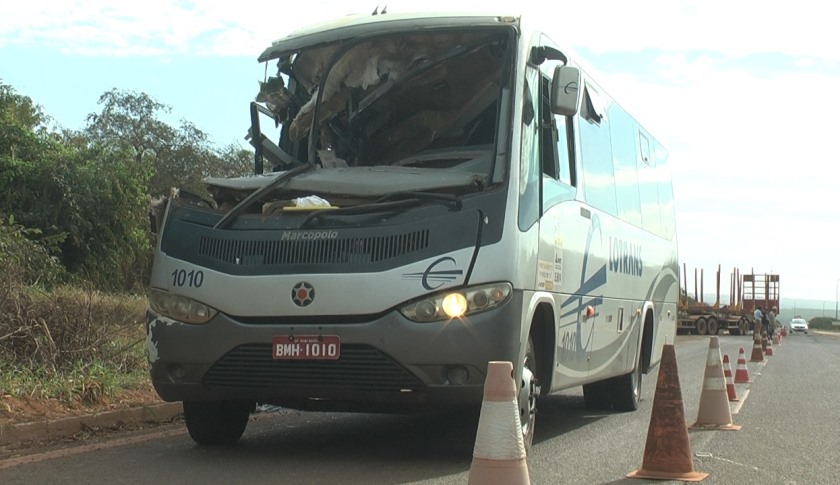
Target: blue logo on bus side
{"x": 432, "y": 279}
{"x": 626, "y": 257}
{"x": 587, "y": 288}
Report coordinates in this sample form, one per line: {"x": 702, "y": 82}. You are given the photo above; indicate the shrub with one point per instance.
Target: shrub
{"x": 822, "y": 323}
{"x": 26, "y": 257}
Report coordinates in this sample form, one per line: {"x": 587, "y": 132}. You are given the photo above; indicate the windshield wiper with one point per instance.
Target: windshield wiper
{"x": 459, "y": 154}
{"x": 257, "y": 195}
{"x": 393, "y": 202}
{"x": 453, "y": 200}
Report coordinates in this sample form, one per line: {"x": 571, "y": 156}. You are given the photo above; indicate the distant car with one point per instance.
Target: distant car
{"x": 798, "y": 325}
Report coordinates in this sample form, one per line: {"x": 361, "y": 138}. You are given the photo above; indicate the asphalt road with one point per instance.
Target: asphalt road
{"x": 788, "y": 414}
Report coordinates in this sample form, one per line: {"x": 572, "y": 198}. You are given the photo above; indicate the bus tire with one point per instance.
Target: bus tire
{"x": 596, "y": 396}
{"x": 216, "y": 422}
{"x": 626, "y": 390}
{"x": 529, "y": 391}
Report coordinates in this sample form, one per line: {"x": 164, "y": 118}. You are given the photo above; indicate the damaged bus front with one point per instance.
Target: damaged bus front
{"x": 345, "y": 274}
{"x": 430, "y": 193}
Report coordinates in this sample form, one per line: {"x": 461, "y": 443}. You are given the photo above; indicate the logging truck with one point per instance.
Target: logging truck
{"x": 746, "y": 292}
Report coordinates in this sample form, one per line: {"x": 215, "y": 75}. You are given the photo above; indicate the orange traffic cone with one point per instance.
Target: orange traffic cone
{"x": 757, "y": 351}
{"x": 742, "y": 374}
{"x": 668, "y": 453}
{"x": 768, "y": 351}
{"x": 730, "y": 385}
{"x": 714, "y": 410}
{"x": 777, "y": 339}
{"x": 499, "y": 453}
{"x": 763, "y": 342}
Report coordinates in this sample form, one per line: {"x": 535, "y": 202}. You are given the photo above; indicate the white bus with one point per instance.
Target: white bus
{"x": 444, "y": 190}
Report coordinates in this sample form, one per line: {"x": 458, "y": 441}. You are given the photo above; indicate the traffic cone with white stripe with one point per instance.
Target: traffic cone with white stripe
{"x": 742, "y": 374}
{"x": 730, "y": 385}
{"x": 768, "y": 351}
{"x": 499, "y": 453}
{"x": 667, "y": 449}
{"x": 757, "y": 350}
{"x": 714, "y": 412}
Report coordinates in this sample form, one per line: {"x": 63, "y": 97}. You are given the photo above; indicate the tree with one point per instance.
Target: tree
{"x": 176, "y": 157}
{"x": 130, "y": 120}
{"x": 86, "y": 195}
{"x": 87, "y": 191}
{"x": 21, "y": 108}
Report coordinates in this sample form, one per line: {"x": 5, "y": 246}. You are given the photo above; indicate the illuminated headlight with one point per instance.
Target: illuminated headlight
{"x": 457, "y": 304}
{"x": 180, "y": 308}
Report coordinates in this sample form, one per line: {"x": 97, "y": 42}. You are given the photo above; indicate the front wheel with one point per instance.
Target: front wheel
{"x": 217, "y": 422}
{"x": 529, "y": 391}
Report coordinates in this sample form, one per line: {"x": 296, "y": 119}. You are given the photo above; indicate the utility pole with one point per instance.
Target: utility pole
{"x": 836, "y": 287}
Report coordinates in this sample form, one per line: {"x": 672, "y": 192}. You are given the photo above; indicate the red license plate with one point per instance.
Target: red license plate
{"x": 305, "y": 347}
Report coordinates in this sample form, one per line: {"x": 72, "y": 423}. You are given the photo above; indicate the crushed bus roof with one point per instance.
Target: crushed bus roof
{"x": 352, "y": 26}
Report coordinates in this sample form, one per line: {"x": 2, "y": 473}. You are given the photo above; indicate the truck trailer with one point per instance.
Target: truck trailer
{"x": 746, "y": 293}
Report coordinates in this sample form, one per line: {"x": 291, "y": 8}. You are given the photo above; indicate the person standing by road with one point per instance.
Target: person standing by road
{"x": 757, "y": 316}
{"x": 765, "y": 325}
{"x": 771, "y": 317}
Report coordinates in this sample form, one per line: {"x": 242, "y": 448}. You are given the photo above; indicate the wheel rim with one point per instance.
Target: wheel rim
{"x": 637, "y": 382}
{"x": 528, "y": 392}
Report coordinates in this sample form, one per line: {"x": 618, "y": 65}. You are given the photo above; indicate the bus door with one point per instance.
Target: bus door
{"x": 563, "y": 230}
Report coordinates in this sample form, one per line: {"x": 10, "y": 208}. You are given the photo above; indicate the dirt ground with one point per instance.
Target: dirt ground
{"x": 14, "y": 410}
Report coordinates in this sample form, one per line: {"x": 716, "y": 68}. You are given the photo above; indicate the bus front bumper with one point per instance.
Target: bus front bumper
{"x": 386, "y": 364}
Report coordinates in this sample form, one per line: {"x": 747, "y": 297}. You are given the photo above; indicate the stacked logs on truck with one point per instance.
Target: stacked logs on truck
{"x": 746, "y": 292}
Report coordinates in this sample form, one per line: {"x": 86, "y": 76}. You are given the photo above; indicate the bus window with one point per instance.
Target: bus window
{"x": 666, "y": 192}
{"x": 529, "y": 170}
{"x": 644, "y": 148}
{"x": 623, "y": 130}
{"x": 648, "y": 188}
{"x": 596, "y": 155}
{"x": 554, "y": 147}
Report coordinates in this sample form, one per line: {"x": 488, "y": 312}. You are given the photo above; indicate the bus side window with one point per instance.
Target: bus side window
{"x": 558, "y": 182}
{"x": 596, "y": 154}
{"x": 529, "y": 164}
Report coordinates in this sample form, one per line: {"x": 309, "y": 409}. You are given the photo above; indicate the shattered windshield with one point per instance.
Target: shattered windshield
{"x": 429, "y": 99}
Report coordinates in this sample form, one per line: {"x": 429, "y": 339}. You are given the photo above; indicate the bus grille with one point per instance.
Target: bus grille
{"x": 360, "y": 367}
{"x": 346, "y": 250}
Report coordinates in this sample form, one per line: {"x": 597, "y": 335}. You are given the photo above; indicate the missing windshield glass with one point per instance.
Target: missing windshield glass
{"x": 387, "y": 99}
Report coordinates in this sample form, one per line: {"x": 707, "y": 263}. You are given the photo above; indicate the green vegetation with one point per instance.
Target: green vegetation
{"x": 822, "y": 323}
{"x": 69, "y": 344}
{"x": 75, "y": 247}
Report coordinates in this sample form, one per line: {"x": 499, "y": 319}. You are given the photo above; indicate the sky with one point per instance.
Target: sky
{"x": 743, "y": 94}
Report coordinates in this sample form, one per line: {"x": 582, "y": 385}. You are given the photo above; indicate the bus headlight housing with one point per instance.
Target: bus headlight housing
{"x": 458, "y": 303}
{"x": 180, "y": 308}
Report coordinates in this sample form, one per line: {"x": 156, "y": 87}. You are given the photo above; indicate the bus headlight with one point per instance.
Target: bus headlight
{"x": 180, "y": 308}
{"x": 457, "y": 304}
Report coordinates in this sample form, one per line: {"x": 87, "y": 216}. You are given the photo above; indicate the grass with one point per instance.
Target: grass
{"x": 88, "y": 384}
{"x": 70, "y": 344}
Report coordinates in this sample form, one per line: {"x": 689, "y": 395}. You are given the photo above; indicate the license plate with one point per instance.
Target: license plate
{"x": 305, "y": 347}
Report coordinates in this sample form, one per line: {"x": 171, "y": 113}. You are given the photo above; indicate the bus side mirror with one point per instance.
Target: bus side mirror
{"x": 565, "y": 90}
